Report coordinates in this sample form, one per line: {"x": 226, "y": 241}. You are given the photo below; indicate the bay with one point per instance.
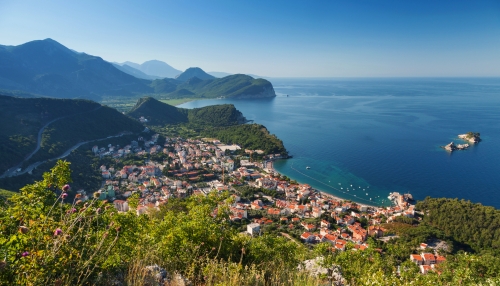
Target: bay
{"x": 384, "y": 135}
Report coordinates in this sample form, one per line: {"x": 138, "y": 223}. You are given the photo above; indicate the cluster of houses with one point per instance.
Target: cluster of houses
{"x": 427, "y": 261}
{"x": 191, "y": 161}
{"x": 188, "y": 161}
{"x": 303, "y": 202}
{"x": 149, "y": 147}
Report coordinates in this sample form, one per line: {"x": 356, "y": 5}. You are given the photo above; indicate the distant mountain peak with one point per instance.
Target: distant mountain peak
{"x": 194, "y": 72}
{"x": 155, "y": 68}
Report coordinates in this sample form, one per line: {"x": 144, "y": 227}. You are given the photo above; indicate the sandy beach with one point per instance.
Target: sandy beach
{"x": 270, "y": 166}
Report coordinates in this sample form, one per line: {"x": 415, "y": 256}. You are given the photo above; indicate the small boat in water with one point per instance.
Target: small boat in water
{"x": 308, "y": 167}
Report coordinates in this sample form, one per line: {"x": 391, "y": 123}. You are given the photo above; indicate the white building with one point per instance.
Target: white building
{"x": 253, "y": 228}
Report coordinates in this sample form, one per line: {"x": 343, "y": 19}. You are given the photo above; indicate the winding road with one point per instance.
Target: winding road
{"x": 13, "y": 170}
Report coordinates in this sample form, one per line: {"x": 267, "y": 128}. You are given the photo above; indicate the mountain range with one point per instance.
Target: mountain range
{"x": 47, "y": 68}
{"x": 154, "y": 69}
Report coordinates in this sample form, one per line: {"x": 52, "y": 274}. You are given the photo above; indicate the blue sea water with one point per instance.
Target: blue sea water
{"x": 384, "y": 135}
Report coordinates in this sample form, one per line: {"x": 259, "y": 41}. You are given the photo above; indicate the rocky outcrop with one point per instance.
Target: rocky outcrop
{"x": 452, "y": 147}
{"x": 472, "y": 137}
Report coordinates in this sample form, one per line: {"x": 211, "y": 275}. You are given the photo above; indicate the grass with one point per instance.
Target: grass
{"x": 121, "y": 104}
{"x": 177, "y": 101}
{"x": 6, "y": 194}
{"x": 126, "y": 103}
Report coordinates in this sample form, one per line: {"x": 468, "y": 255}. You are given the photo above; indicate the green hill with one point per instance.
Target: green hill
{"x": 193, "y": 72}
{"x": 159, "y": 113}
{"x": 473, "y": 224}
{"x": 248, "y": 136}
{"x": 233, "y": 86}
{"x": 78, "y": 120}
{"x": 63, "y": 134}
{"x": 22, "y": 118}
{"x": 165, "y": 85}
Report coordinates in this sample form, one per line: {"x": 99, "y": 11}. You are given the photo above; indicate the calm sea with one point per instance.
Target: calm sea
{"x": 365, "y": 138}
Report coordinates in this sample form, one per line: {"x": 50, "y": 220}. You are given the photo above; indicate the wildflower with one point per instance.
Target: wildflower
{"x": 66, "y": 188}
{"x": 26, "y": 253}
{"x": 78, "y": 196}
{"x": 64, "y": 195}
{"x": 71, "y": 211}
{"x": 118, "y": 229}
{"x": 57, "y": 232}
{"x": 96, "y": 195}
{"x": 23, "y": 229}
{"x": 78, "y": 202}
{"x": 98, "y": 211}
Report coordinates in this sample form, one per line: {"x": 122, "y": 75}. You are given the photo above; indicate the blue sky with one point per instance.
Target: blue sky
{"x": 343, "y": 38}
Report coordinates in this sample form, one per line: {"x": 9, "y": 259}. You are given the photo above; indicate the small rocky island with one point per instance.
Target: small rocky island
{"x": 471, "y": 137}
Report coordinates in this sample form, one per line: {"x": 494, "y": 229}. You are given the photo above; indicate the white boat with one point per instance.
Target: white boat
{"x": 308, "y": 167}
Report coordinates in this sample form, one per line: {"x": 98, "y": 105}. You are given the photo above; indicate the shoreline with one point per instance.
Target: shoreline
{"x": 325, "y": 194}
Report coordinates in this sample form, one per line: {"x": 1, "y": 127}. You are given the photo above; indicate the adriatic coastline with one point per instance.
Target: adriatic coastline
{"x": 351, "y": 132}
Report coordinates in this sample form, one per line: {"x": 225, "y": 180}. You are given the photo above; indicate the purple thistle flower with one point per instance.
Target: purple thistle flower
{"x": 57, "y": 232}
{"x": 66, "y": 188}
{"x": 64, "y": 195}
{"x": 26, "y": 253}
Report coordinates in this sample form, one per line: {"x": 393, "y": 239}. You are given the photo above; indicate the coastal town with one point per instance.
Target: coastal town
{"x": 263, "y": 201}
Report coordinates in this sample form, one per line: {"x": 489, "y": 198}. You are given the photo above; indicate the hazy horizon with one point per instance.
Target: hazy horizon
{"x": 324, "y": 39}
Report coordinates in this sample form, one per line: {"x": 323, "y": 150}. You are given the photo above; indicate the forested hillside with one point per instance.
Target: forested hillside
{"x": 216, "y": 115}
{"x": 158, "y": 114}
{"x": 472, "y": 224}
{"x": 233, "y": 86}
{"x": 100, "y": 123}
{"x": 248, "y": 136}
{"x": 22, "y": 118}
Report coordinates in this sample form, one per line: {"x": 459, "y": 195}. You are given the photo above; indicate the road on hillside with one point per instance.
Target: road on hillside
{"x": 64, "y": 155}
{"x": 13, "y": 170}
